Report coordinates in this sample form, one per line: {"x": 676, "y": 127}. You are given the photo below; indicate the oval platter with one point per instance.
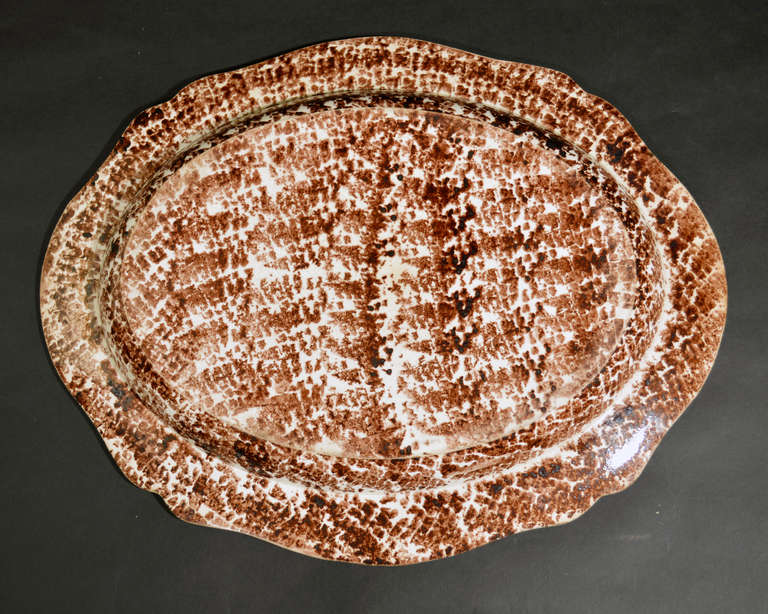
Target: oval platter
{"x": 382, "y": 301}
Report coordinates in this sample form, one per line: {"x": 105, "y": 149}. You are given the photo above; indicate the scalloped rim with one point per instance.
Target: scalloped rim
{"x": 599, "y": 460}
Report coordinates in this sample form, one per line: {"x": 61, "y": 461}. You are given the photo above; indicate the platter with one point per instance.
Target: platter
{"x": 382, "y": 301}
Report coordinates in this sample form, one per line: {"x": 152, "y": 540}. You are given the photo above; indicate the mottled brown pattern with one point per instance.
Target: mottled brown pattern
{"x": 382, "y": 326}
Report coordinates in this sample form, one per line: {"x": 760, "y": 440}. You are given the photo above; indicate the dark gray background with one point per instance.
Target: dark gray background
{"x": 690, "y": 536}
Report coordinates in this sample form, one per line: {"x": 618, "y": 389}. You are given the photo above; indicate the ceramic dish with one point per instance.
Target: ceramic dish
{"x": 382, "y": 301}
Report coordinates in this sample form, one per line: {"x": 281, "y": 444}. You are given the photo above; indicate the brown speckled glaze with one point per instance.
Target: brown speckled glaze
{"x": 382, "y": 301}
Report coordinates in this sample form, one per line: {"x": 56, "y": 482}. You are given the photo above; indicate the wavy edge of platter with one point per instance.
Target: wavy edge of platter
{"x": 409, "y": 526}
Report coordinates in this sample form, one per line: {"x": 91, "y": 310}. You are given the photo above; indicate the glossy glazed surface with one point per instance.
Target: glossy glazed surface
{"x": 379, "y": 326}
